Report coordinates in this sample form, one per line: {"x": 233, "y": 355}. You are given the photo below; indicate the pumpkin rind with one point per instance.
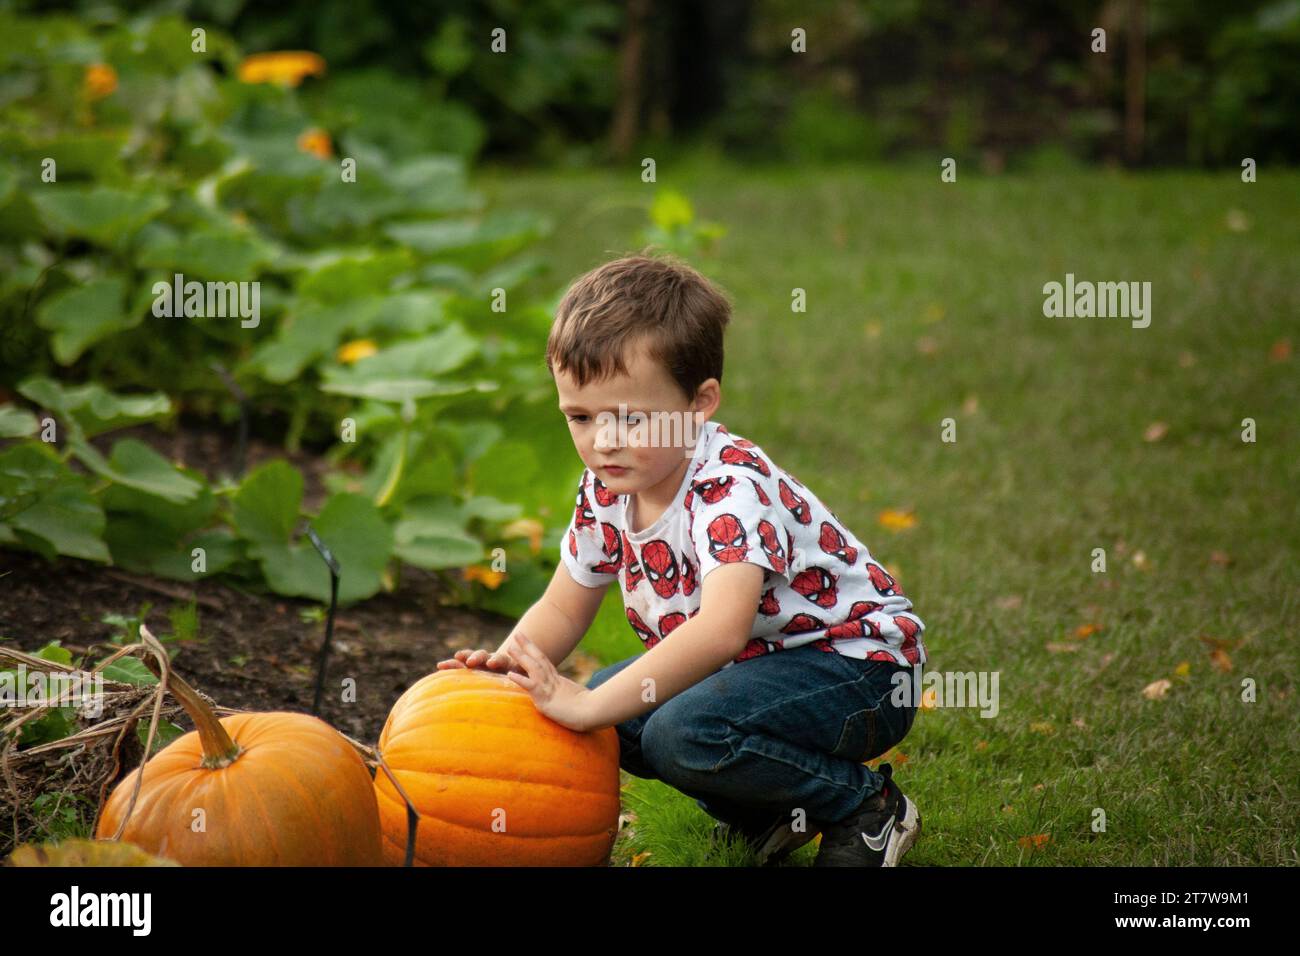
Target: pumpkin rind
{"x": 472, "y": 751}
{"x": 297, "y": 795}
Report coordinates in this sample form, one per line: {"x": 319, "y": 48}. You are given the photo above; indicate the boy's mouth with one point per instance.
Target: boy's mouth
{"x": 617, "y": 470}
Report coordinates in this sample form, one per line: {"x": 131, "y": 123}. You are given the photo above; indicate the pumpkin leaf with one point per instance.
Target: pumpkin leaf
{"x": 92, "y": 407}
{"x": 102, "y": 214}
{"x": 84, "y": 315}
{"x": 17, "y": 422}
{"x": 353, "y": 529}
{"x": 265, "y": 508}
{"x": 136, "y": 465}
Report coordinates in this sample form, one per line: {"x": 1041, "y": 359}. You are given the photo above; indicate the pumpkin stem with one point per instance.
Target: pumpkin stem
{"x": 218, "y": 749}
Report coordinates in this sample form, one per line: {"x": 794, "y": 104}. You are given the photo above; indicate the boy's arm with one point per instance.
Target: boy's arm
{"x": 728, "y": 605}
{"x": 558, "y": 619}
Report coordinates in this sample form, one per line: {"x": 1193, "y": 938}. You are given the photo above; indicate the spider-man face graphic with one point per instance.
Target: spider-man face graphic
{"x": 768, "y": 604}
{"x": 858, "y": 628}
{"x": 582, "y": 515}
{"x": 862, "y": 609}
{"x": 632, "y": 573}
{"x": 603, "y": 495}
{"x": 639, "y": 626}
{"x": 817, "y": 585}
{"x": 727, "y": 540}
{"x": 613, "y": 549}
{"x": 772, "y": 545}
{"x": 756, "y": 647}
{"x": 910, "y": 629}
{"x": 731, "y": 455}
{"x": 796, "y": 505}
{"x": 834, "y": 543}
{"x": 763, "y": 499}
{"x": 690, "y": 576}
{"x": 670, "y": 622}
{"x": 573, "y": 544}
{"x": 660, "y": 567}
{"x": 713, "y": 490}
{"x": 882, "y": 581}
{"x": 801, "y": 624}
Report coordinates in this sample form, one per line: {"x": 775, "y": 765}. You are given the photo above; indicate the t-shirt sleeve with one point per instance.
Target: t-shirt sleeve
{"x": 592, "y": 549}
{"x": 736, "y": 518}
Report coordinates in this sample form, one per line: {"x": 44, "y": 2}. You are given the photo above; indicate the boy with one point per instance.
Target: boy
{"x": 771, "y": 634}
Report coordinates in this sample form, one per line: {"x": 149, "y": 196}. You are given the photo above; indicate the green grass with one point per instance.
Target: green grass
{"x": 925, "y": 297}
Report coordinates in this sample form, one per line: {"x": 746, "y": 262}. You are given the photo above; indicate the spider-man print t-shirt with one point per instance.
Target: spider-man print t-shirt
{"x": 820, "y": 584}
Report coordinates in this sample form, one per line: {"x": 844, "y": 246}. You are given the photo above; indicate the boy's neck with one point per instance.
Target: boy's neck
{"x": 645, "y": 507}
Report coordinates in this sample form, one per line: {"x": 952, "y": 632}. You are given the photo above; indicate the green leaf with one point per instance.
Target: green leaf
{"x": 17, "y": 422}
{"x": 102, "y": 214}
{"x": 136, "y": 465}
{"x": 353, "y": 529}
{"x": 208, "y": 255}
{"x": 434, "y": 553}
{"x": 311, "y": 333}
{"x": 84, "y": 315}
{"x": 129, "y": 670}
{"x": 265, "y": 508}
{"x": 340, "y": 277}
{"x": 68, "y": 519}
{"x": 92, "y": 407}
{"x": 401, "y": 390}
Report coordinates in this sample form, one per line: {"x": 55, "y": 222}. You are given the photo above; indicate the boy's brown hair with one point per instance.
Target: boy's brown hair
{"x": 659, "y": 299}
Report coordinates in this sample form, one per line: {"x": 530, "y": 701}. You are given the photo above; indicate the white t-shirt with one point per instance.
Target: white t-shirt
{"x": 820, "y": 584}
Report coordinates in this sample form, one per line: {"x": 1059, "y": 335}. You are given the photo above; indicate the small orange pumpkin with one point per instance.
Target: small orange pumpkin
{"x": 274, "y": 789}
{"x": 495, "y": 782}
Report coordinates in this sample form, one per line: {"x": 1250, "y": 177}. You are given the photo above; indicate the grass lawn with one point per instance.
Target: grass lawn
{"x": 925, "y": 302}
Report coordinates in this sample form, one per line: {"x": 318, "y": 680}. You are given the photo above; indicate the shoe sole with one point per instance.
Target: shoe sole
{"x": 780, "y": 841}
{"x": 904, "y": 834}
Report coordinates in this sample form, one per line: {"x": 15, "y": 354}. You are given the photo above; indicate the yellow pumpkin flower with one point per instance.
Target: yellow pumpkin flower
{"x": 286, "y": 67}
{"x": 486, "y": 576}
{"x": 356, "y": 350}
{"x": 529, "y": 528}
{"x": 317, "y": 142}
{"x": 99, "y": 81}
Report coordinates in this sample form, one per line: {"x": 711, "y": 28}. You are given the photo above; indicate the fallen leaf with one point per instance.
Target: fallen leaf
{"x": 928, "y": 699}
{"x": 1038, "y": 788}
{"x": 895, "y": 520}
{"x": 636, "y": 860}
{"x": 1155, "y": 431}
{"x": 1140, "y": 560}
{"x": 1042, "y": 727}
{"x": 1157, "y": 689}
{"x": 1008, "y": 808}
{"x": 1079, "y": 722}
{"x": 1281, "y": 351}
{"x": 1221, "y": 644}
{"x": 1084, "y": 631}
{"x": 1183, "y": 669}
{"x": 1221, "y": 660}
{"x": 1035, "y": 842}
{"x": 971, "y": 405}
{"x": 981, "y": 745}
{"x": 1221, "y": 558}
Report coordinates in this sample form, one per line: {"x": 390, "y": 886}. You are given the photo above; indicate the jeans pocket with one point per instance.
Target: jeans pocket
{"x": 858, "y": 735}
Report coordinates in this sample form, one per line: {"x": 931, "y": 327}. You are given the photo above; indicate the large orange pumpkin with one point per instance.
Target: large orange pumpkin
{"x": 275, "y": 789}
{"x": 495, "y": 782}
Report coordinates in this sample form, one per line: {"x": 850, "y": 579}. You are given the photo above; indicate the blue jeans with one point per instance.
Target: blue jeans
{"x": 770, "y": 734}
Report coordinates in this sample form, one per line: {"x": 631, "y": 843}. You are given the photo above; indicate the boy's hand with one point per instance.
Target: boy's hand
{"x": 559, "y": 698}
{"x": 490, "y": 660}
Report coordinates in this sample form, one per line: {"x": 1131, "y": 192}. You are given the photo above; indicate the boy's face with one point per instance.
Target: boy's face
{"x": 654, "y": 448}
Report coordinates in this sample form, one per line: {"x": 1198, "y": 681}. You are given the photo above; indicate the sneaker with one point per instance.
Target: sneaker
{"x": 771, "y": 844}
{"x": 878, "y": 833}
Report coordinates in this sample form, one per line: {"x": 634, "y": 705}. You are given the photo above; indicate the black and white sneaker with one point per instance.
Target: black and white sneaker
{"x": 877, "y": 834}
{"x": 771, "y": 844}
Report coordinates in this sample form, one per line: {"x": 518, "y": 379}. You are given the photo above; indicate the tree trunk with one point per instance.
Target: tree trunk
{"x": 625, "y": 126}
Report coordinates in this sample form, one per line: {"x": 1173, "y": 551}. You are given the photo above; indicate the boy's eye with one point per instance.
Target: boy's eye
{"x": 577, "y": 418}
